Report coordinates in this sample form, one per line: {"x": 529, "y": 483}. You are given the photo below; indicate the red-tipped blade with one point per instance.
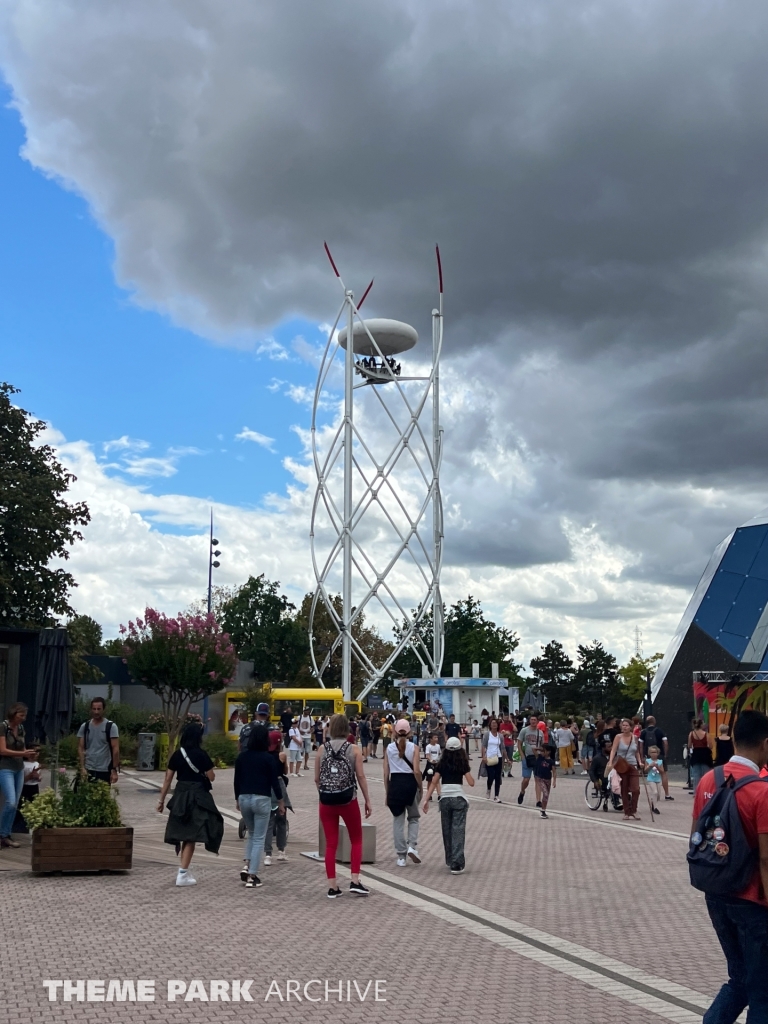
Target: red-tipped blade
{"x": 365, "y": 294}
{"x": 328, "y": 251}
{"x": 439, "y": 267}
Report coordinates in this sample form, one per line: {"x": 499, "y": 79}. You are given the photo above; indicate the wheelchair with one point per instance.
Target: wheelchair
{"x": 598, "y": 794}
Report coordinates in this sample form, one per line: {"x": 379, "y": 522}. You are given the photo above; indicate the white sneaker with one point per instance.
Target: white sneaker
{"x": 414, "y": 855}
{"x": 267, "y": 860}
{"x": 282, "y": 855}
{"x": 185, "y": 879}
{"x": 401, "y": 862}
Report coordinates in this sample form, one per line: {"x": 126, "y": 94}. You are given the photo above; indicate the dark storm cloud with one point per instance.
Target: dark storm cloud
{"x": 594, "y": 172}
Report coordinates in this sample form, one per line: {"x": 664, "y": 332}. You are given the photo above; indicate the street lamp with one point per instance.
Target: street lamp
{"x": 212, "y": 563}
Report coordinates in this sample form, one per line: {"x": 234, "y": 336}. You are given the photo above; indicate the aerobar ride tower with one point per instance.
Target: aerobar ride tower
{"x": 376, "y": 531}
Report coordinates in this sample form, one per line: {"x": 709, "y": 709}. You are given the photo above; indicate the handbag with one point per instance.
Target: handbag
{"x": 482, "y": 771}
{"x": 491, "y": 761}
{"x": 621, "y": 764}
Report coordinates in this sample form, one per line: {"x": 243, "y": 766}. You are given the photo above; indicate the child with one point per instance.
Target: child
{"x": 654, "y": 764}
{"x": 545, "y": 774}
{"x": 433, "y": 750}
{"x": 477, "y": 732}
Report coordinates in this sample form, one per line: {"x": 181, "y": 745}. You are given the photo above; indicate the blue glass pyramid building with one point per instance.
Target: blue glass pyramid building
{"x": 725, "y": 627}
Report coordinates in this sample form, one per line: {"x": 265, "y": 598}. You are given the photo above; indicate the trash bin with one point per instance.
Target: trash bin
{"x": 145, "y": 756}
{"x": 343, "y": 851}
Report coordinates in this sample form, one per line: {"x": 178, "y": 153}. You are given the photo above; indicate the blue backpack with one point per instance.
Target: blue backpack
{"x": 720, "y": 860}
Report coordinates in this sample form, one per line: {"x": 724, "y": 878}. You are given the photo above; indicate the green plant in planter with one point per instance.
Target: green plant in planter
{"x": 87, "y": 805}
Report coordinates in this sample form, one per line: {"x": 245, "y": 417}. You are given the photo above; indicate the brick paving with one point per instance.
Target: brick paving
{"x": 617, "y": 891}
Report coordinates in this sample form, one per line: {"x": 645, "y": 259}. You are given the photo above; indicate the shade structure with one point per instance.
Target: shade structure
{"x": 391, "y": 336}
{"x": 55, "y": 697}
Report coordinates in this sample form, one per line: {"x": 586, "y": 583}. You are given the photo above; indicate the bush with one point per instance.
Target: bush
{"x": 88, "y": 805}
{"x": 221, "y": 749}
{"x": 128, "y": 719}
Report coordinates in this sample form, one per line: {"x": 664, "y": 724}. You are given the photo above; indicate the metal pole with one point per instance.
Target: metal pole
{"x": 346, "y": 587}
{"x": 437, "y": 526}
{"x": 210, "y": 563}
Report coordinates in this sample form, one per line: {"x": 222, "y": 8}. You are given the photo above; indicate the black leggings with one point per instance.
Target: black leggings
{"x": 494, "y": 776}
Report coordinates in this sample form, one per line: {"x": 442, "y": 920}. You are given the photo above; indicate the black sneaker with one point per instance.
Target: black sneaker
{"x": 357, "y": 888}
{"x": 244, "y": 875}
{"x": 669, "y": 798}
{"x": 457, "y": 871}
{"x": 333, "y": 893}
{"x": 538, "y": 803}
{"x": 520, "y": 797}
{"x": 656, "y": 810}
{"x": 253, "y": 882}
{"x": 544, "y": 814}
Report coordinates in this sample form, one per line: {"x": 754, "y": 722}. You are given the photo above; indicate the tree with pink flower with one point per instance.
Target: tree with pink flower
{"x": 181, "y": 659}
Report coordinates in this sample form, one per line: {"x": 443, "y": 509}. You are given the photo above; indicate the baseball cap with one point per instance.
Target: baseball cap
{"x": 402, "y": 727}
{"x": 453, "y": 743}
{"x": 262, "y": 709}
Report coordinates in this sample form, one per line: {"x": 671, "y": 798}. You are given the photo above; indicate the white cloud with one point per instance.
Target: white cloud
{"x": 126, "y": 444}
{"x": 253, "y": 435}
{"x": 149, "y": 466}
{"x": 272, "y": 350}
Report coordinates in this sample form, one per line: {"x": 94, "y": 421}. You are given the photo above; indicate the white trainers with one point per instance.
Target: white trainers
{"x": 282, "y": 855}
{"x": 267, "y": 860}
{"x": 401, "y": 862}
{"x": 185, "y": 879}
{"x": 414, "y": 855}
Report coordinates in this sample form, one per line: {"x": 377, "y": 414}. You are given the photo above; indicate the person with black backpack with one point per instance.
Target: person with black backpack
{"x": 728, "y": 861}
{"x": 338, "y": 772}
{"x": 99, "y": 745}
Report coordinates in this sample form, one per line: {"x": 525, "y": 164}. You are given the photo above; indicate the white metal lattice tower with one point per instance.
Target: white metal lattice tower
{"x": 377, "y": 520}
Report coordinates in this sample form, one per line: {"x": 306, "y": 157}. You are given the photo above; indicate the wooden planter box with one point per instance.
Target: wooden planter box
{"x": 82, "y": 849}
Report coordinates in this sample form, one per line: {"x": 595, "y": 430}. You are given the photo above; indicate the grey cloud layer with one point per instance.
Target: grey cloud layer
{"x": 594, "y": 173}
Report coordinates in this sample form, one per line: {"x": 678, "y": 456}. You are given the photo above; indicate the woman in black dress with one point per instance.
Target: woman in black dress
{"x": 192, "y": 815}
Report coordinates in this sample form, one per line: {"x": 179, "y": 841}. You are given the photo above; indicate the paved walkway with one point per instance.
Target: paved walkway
{"x": 576, "y": 919}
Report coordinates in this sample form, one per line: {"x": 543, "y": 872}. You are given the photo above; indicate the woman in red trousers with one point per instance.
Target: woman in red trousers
{"x": 338, "y": 772}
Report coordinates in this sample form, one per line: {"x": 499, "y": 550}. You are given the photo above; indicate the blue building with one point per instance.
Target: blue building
{"x": 725, "y": 627}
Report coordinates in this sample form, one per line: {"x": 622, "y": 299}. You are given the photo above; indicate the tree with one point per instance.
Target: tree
{"x": 181, "y": 659}
{"x": 262, "y": 627}
{"x": 325, "y": 634}
{"x": 554, "y": 672}
{"x": 36, "y": 524}
{"x": 84, "y": 638}
{"x": 596, "y": 678}
{"x": 470, "y": 639}
{"x": 634, "y": 676}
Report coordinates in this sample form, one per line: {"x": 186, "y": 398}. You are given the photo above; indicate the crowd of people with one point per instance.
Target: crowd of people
{"x": 429, "y": 756}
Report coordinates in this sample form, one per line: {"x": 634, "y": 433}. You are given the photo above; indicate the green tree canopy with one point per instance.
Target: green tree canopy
{"x": 325, "y": 634}
{"x": 634, "y": 676}
{"x": 597, "y": 679}
{"x": 84, "y": 638}
{"x": 470, "y": 639}
{"x": 263, "y": 628}
{"x": 36, "y": 523}
{"x": 554, "y": 671}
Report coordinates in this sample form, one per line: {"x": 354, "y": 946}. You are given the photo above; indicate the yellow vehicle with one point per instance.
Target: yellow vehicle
{"x": 314, "y": 700}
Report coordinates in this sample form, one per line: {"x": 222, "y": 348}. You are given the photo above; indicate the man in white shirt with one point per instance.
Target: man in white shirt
{"x": 305, "y": 728}
{"x": 295, "y": 748}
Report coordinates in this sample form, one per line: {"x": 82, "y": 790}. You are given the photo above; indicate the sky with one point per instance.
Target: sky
{"x": 595, "y": 176}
